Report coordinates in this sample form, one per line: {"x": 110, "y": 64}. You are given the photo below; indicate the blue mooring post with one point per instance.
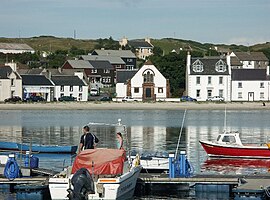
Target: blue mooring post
{"x": 27, "y": 157}
{"x": 171, "y": 166}
{"x": 182, "y": 163}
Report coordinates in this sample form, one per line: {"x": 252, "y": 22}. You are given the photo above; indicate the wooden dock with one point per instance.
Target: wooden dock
{"x": 25, "y": 180}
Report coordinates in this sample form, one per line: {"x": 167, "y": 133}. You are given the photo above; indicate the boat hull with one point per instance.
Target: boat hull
{"x": 9, "y": 146}
{"x": 217, "y": 150}
{"x": 48, "y": 148}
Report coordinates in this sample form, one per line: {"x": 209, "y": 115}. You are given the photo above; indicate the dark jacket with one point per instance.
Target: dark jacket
{"x": 88, "y": 140}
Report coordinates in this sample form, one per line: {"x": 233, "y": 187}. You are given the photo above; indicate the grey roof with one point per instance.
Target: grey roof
{"x": 119, "y": 53}
{"x": 235, "y": 61}
{"x": 5, "y": 71}
{"x": 123, "y": 75}
{"x": 251, "y": 56}
{"x": 80, "y": 64}
{"x": 209, "y": 67}
{"x": 35, "y": 80}
{"x": 114, "y": 60}
{"x": 249, "y": 74}
{"x": 139, "y": 44}
{"x": 101, "y": 64}
{"x": 15, "y": 46}
{"x": 68, "y": 80}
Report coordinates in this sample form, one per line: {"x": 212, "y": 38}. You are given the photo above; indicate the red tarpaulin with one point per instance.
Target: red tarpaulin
{"x": 106, "y": 161}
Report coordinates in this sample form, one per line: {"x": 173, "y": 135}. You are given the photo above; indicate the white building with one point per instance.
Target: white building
{"x": 70, "y": 86}
{"x": 146, "y": 84}
{"x": 248, "y": 60}
{"x": 207, "y": 77}
{"x": 250, "y": 85}
{"x": 15, "y": 48}
{"x": 10, "y": 82}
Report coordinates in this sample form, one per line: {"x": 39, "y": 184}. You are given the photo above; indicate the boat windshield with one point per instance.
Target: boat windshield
{"x": 230, "y": 139}
{"x": 218, "y": 138}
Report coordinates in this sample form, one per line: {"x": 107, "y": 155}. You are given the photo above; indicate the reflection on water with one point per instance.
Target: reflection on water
{"x": 146, "y": 130}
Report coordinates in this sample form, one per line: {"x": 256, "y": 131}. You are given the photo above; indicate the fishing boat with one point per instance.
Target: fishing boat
{"x": 101, "y": 173}
{"x": 228, "y": 144}
{"x": 48, "y": 148}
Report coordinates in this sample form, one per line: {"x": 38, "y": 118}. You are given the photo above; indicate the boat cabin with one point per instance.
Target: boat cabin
{"x": 229, "y": 138}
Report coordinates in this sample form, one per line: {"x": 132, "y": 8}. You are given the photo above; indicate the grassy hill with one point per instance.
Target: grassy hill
{"x": 51, "y": 43}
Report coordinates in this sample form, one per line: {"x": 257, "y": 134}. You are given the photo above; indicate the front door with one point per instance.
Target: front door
{"x": 251, "y": 96}
{"x": 148, "y": 93}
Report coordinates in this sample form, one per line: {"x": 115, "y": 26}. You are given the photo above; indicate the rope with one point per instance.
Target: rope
{"x": 12, "y": 169}
{"x": 180, "y": 133}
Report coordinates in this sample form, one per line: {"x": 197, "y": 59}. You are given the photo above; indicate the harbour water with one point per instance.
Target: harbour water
{"x": 147, "y": 130}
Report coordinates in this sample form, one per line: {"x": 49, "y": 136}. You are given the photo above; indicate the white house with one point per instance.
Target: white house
{"x": 37, "y": 85}
{"x": 15, "y": 48}
{"x": 248, "y": 60}
{"x": 70, "y": 86}
{"x": 10, "y": 82}
{"x": 146, "y": 84}
{"x": 207, "y": 77}
{"x": 250, "y": 85}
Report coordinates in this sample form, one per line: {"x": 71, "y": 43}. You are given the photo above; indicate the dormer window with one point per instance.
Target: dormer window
{"x": 221, "y": 66}
{"x": 197, "y": 66}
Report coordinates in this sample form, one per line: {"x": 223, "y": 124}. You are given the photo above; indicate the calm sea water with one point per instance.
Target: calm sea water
{"x": 147, "y": 130}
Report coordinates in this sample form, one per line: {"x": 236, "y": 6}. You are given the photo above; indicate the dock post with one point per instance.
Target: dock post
{"x": 182, "y": 163}
{"x": 171, "y": 166}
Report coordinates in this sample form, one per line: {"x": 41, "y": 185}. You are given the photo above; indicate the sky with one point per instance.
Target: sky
{"x": 244, "y": 22}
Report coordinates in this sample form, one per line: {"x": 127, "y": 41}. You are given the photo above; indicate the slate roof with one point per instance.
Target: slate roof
{"x": 251, "y": 56}
{"x": 114, "y": 60}
{"x": 235, "y": 61}
{"x": 80, "y": 64}
{"x": 249, "y": 74}
{"x": 119, "y": 53}
{"x": 101, "y": 64}
{"x": 15, "y": 46}
{"x": 5, "y": 72}
{"x": 123, "y": 75}
{"x": 139, "y": 44}
{"x": 68, "y": 80}
{"x": 209, "y": 67}
{"x": 35, "y": 80}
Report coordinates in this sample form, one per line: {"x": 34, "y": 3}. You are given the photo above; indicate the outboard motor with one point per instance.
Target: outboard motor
{"x": 83, "y": 184}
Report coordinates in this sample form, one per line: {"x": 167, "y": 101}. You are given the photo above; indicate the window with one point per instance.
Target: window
{"x": 209, "y": 93}
{"x": 61, "y": 88}
{"x": 239, "y": 84}
{"x": 261, "y": 95}
{"x": 62, "y": 94}
{"x": 197, "y": 66}
{"x": 71, "y": 95}
{"x": 220, "y": 66}
{"x": 94, "y": 71}
{"x": 220, "y": 93}
{"x": 262, "y": 85}
{"x": 209, "y": 79}
{"x": 249, "y": 62}
{"x": 240, "y": 95}
{"x": 71, "y": 88}
{"x": 148, "y": 77}
{"x": 198, "y": 93}
{"x": 198, "y": 80}
{"x": 160, "y": 90}
{"x": 106, "y": 71}
{"x": 80, "y": 96}
{"x": 106, "y": 80}
{"x": 118, "y": 67}
{"x": 80, "y": 88}
{"x": 230, "y": 139}
{"x": 220, "y": 80}
{"x": 12, "y": 82}
{"x": 136, "y": 90}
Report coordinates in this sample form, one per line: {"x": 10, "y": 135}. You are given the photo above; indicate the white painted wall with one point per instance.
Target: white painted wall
{"x": 5, "y": 51}
{"x": 250, "y": 87}
{"x": 204, "y": 86}
{"x": 39, "y": 89}
{"x": 6, "y": 88}
{"x": 74, "y": 93}
{"x": 121, "y": 90}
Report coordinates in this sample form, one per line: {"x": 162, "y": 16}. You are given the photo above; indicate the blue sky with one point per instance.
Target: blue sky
{"x": 215, "y": 21}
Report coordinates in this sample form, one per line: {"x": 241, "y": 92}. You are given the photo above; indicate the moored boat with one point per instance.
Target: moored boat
{"x": 228, "y": 144}
{"x": 48, "y": 148}
{"x": 8, "y": 146}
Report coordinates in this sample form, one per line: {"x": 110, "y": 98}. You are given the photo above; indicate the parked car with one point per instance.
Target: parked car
{"x": 187, "y": 98}
{"x": 35, "y": 99}
{"x": 94, "y": 92}
{"x": 67, "y": 98}
{"x": 13, "y": 99}
{"x": 128, "y": 98}
{"x": 215, "y": 98}
{"x": 105, "y": 98}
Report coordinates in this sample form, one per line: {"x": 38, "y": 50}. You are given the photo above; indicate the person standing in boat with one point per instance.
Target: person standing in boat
{"x": 88, "y": 140}
{"x": 119, "y": 141}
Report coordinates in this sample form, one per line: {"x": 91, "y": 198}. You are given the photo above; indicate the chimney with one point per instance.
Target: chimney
{"x": 267, "y": 70}
{"x": 147, "y": 40}
{"x": 228, "y": 60}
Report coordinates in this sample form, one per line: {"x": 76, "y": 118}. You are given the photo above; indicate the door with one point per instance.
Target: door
{"x": 251, "y": 96}
{"x": 148, "y": 92}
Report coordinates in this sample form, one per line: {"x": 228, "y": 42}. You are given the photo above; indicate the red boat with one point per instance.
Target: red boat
{"x": 228, "y": 144}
